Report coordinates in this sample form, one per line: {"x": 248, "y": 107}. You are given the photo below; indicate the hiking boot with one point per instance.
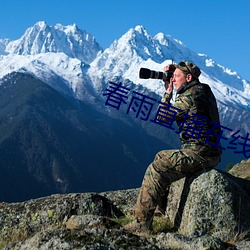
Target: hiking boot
{"x": 140, "y": 227}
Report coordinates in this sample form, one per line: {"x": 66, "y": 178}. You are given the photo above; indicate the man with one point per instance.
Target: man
{"x": 197, "y": 117}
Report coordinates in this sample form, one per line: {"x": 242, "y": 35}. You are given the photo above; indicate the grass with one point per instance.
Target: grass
{"x": 123, "y": 220}
{"x": 239, "y": 237}
{"x": 160, "y": 223}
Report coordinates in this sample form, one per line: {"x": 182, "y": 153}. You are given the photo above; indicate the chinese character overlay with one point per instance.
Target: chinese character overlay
{"x": 194, "y": 125}
{"x": 232, "y": 141}
{"x": 165, "y": 116}
{"x": 141, "y": 105}
{"x": 116, "y": 95}
{"x": 208, "y": 133}
{"x": 245, "y": 145}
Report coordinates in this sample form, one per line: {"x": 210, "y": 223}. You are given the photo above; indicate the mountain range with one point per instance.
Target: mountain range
{"x": 57, "y": 133}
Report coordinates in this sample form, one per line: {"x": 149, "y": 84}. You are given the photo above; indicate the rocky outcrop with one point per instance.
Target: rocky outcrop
{"x": 209, "y": 210}
{"x": 211, "y": 202}
{"x": 242, "y": 169}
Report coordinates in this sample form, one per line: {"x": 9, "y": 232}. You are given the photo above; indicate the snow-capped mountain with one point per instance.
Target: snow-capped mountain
{"x": 137, "y": 49}
{"x": 64, "y": 73}
{"x": 57, "y": 55}
{"x": 74, "y": 56}
{"x": 69, "y": 60}
{"x": 41, "y": 38}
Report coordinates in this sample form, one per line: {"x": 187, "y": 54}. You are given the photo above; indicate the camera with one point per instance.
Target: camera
{"x": 145, "y": 73}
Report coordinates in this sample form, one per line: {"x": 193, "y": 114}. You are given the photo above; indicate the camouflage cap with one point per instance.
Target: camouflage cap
{"x": 189, "y": 68}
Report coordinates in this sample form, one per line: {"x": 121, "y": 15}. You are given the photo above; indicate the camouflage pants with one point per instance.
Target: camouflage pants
{"x": 167, "y": 167}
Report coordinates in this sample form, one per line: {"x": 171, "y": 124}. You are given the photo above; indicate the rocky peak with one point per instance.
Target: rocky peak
{"x": 42, "y": 38}
{"x": 141, "y": 43}
{"x": 33, "y": 41}
{"x": 207, "y": 211}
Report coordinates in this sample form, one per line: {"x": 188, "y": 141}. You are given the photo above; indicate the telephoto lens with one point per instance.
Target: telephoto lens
{"x": 147, "y": 73}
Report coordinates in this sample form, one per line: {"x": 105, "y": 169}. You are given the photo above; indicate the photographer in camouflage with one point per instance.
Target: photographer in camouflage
{"x": 196, "y": 114}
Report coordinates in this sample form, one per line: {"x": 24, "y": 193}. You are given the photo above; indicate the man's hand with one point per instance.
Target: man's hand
{"x": 168, "y": 85}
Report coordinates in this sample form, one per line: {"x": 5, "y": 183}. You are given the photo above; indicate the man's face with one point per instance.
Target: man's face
{"x": 179, "y": 78}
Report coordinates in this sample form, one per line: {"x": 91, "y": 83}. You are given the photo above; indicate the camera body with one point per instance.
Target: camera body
{"x": 146, "y": 73}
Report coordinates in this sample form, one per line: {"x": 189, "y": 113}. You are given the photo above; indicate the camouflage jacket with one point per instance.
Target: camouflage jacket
{"x": 196, "y": 114}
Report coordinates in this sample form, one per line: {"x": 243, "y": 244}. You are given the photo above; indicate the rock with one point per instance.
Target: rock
{"x": 212, "y": 202}
{"x": 241, "y": 169}
{"x": 20, "y": 220}
{"x": 123, "y": 199}
{"x": 63, "y": 239}
{"x": 90, "y": 221}
{"x": 209, "y": 210}
{"x": 243, "y": 245}
{"x": 178, "y": 241}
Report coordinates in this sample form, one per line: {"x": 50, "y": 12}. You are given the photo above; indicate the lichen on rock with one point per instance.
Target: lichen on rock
{"x": 211, "y": 202}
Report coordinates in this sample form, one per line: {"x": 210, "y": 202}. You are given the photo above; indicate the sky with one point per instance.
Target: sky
{"x": 218, "y": 28}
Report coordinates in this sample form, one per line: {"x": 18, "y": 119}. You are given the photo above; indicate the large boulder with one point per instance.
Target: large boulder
{"x": 210, "y": 202}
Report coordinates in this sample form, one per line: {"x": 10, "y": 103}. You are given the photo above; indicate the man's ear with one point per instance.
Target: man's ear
{"x": 189, "y": 77}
